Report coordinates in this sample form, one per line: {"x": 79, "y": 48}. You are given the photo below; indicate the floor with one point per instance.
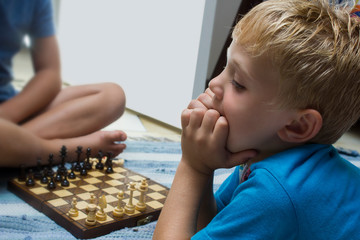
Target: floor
{"x": 137, "y": 126}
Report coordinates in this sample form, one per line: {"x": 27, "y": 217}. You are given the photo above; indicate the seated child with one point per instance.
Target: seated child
{"x": 289, "y": 90}
{"x": 42, "y": 117}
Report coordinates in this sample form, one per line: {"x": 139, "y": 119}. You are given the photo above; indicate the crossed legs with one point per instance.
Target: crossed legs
{"x": 75, "y": 117}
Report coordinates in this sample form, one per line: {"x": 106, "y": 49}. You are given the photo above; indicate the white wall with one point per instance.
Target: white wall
{"x": 157, "y": 50}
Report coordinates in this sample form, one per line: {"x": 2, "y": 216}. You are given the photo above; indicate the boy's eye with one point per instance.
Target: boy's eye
{"x": 237, "y": 85}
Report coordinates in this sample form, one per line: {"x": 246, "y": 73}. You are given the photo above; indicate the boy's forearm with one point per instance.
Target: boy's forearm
{"x": 178, "y": 218}
{"x": 208, "y": 208}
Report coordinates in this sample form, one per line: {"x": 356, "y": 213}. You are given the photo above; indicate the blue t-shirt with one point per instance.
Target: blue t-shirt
{"x": 308, "y": 192}
{"x": 18, "y": 18}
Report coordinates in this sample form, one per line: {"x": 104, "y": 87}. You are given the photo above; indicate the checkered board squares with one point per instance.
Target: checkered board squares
{"x": 56, "y": 203}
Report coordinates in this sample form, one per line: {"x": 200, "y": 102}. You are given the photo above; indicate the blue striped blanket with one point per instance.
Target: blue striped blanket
{"x": 156, "y": 160}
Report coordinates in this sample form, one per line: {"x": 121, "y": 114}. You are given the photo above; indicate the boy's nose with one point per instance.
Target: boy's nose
{"x": 216, "y": 87}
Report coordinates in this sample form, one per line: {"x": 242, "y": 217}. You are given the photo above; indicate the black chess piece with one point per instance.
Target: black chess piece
{"x": 22, "y": 173}
{"x": 78, "y": 165}
{"x": 37, "y": 174}
{"x": 83, "y": 171}
{"x": 109, "y": 168}
{"x": 30, "y": 180}
{"x": 100, "y": 165}
{"x": 50, "y": 171}
{"x": 51, "y": 184}
{"x": 58, "y": 177}
{"x": 72, "y": 174}
{"x": 63, "y": 154}
{"x": 65, "y": 182}
{"x": 87, "y": 163}
{"x": 44, "y": 178}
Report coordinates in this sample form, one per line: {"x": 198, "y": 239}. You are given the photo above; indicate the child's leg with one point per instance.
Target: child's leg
{"x": 78, "y": 111}
{"x": 19, "y": 146}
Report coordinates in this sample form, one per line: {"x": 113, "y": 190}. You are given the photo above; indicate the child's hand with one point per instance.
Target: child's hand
{"x": 204, "y": 101}
{"x": 203, "y": 141}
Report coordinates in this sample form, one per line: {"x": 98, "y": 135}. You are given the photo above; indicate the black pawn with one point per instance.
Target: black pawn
{"x": 44, "y": 178}
{"x": 99, "y": 165}
{"x": 51, "y": 184}
{"x": 78, "y": 165}
{"x": 30, "y": 181}
{"x": 109, "y": 168}
{"x": 83, "y": 171}
{"x": 65, "y": 182}
{"x": 63, "y": 154}
{"x": 58, "y": 177}
{"x": 72, "y": 174}
{"x": 87, "y": 163}
{"x": 22, "y": 173}
{"x": 37, "y": 174}
{"x": 50, "y": 171}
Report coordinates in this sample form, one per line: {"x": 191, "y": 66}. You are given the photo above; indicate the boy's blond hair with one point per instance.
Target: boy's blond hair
{"x": 315, "y": 47}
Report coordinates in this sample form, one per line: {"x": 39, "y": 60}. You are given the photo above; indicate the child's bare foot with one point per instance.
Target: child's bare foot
{"x": 106, "y": 141}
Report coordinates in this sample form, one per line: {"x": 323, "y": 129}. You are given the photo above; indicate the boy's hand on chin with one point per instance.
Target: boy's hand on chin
{"x": 203, "y": 141}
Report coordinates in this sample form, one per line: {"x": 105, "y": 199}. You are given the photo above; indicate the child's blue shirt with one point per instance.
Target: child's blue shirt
{"x": 308, "y": 192}
{"x": 17, "y": 18}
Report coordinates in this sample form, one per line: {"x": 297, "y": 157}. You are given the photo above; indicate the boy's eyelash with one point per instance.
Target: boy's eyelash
{"x": 237, "y": 85}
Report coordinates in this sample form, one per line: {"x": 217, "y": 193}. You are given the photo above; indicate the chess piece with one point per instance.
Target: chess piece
{"x": 87, "y": 164}
{"x": 50, "y": 171}
{"x": 99, "y": 165}
{"x": 119, "y": 210}
{"x": 108, "y": 163}
{"x": 38, "y": 174}
{"x": 91, "y": 201}
{"x": 73, "y": 212}
{"x": 91, "y": 217}
{"x": 100, "y": 215}
{"x": 58, "y": 177}
{"x": 129, "y": 207}
{"x": 83, "y": 171}
{"x": 72, "y": 174}
{"x": 65, "y": 182}
{"x": 22, "y": 173}
{"x": 63, "y": 154}
{"x": 44, "y": 178}
{"x": 51, "y": 184}
{"x": 30, "y": 180}
{"x": 143, "y": 188}
{"x": 78, "y": 165}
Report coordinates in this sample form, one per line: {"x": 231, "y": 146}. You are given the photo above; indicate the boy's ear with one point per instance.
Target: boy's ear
{"x": 306, "y": 125}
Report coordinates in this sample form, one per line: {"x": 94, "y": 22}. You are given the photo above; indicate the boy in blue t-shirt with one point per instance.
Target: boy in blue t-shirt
{"x": 42, "y": 117}
{"x": 289, "y": 90}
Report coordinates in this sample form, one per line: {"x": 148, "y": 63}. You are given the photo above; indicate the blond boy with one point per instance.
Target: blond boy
{"x": 289, "y": 90}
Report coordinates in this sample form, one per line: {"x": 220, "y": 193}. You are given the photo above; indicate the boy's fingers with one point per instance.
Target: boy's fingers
{"x": 206, "y": 100}
{"x": 196, "y": 117}
{"x": 221, "y": 130}
{"x": 209, "y": 92}
{"x": 210, "y": 118}
{"x": 185, "y": 118}
{"x": 196, "y": 104}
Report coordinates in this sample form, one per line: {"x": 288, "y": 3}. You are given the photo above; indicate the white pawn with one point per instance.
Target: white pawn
{"x": 91, "y": 217}
{"x": 119, "y": 210}
{"x": 143, "y": 187}
{"x": 129, "y": 207}
{"x": 91, "y": 201}
{"x": 73, "y": 212}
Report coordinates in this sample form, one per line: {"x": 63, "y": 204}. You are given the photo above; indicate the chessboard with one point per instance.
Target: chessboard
{"x": 106, "y": 191}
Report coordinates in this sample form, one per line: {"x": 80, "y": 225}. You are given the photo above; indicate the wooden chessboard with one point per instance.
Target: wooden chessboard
{"x": 57, "y": 202}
